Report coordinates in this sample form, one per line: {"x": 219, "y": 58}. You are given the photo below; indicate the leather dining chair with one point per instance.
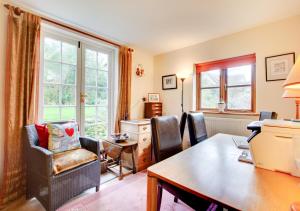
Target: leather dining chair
{"x": 182, "y": 124}
{"x": 166, "y": 142}
{"x": 197, "y": 128}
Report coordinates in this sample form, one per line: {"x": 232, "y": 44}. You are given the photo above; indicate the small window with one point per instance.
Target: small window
{"x": 231, "y": 81}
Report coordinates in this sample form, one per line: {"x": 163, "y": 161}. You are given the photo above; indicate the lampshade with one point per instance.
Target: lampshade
{"x": 291, "y": 93}
{"x": 184, "y": 74}
{"x": 293, "y": 79}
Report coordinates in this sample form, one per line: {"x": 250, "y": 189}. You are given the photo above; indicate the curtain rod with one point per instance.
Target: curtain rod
{"x": 18, "y": 11}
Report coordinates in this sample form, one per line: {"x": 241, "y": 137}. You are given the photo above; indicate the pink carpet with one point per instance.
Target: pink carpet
{"x": 127, "y": 194}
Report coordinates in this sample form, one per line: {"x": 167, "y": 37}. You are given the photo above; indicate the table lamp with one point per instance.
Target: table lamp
{"x": 293, "y": 93}
{"x": 292, "y": 86}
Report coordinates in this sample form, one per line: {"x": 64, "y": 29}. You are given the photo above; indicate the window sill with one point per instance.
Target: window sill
{"x": 229, "y": 113}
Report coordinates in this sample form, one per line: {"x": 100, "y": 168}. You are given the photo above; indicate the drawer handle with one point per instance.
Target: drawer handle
{"x": 144, "y": 139}
{"x": 144, "y": 128}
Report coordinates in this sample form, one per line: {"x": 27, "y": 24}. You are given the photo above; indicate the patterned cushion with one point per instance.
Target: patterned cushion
{"x": 70, "y": 159}
{"x": 63, "y": 137}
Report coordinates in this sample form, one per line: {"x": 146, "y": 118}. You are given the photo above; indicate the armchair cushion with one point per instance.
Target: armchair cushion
{"x": 70, "y": 159}
{"x": 63, "y": 137}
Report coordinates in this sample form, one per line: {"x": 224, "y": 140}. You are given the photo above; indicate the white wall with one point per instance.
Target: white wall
{"x": 3, "y": 16}
{"x": 271, "y": 39}
{"x": 141, "y": 86}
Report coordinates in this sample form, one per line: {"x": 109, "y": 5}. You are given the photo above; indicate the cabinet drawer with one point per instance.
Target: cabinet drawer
{"x": 144, "y": 129}
{"x": 131, "y": 128}
{"x": 144, "y": 143}
{"x": 144, "y": 160}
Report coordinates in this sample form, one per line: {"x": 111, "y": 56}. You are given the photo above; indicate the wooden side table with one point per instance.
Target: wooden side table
{"x": 115, "y": 151}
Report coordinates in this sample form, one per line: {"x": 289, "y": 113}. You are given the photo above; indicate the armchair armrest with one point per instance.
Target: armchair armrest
{"x": 40, "y": 160}
{"x": 90, "y": 144}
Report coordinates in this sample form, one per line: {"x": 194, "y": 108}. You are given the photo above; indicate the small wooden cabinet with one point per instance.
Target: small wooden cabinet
{"x": 140, "y": 131}
{"x": 152, "y": 109}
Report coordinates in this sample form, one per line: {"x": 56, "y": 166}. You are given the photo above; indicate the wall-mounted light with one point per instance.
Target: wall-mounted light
{"x": 139, "y": 70}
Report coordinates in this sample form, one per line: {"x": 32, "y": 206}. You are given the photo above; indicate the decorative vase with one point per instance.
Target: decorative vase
{"x": 221, "y": 106}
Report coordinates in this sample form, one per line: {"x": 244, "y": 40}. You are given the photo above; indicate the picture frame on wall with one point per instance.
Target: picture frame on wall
{"x": 169, "y": 82}
{"x": 279, "y": 66}
{"x": 153, "y": 97}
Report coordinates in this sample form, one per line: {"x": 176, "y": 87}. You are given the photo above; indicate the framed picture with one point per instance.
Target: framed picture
{"x": 153, "y": 97}
{"x": 169, "y": 82}
{"x": 279, "y": 66}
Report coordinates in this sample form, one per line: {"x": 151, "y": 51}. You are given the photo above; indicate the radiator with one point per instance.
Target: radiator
{"x": 232, "y": 126}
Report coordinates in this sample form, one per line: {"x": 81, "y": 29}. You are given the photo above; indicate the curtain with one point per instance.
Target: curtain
{"x": 21, "y": 97}
{"x": 124, "y": 100}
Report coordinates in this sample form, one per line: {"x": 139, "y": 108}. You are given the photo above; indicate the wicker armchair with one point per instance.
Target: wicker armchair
{"x": 54, "y": 190}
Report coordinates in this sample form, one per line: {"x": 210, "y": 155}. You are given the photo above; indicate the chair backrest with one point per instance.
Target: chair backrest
{"x": 267, "y": 115}
{"x": 32, "y": 136}
{"x": 166, "y": 139}
{"x": 197, "y": 128}
{"x": 182, "y": 123}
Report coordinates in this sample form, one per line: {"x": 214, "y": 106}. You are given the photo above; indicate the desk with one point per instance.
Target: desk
{"x": 211, "y": 170}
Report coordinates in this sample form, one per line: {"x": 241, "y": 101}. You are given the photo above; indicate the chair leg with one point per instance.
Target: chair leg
{"x": 159, "y": 195}
{"x": 97, "y": 188}
{"x": 175, "y": 199}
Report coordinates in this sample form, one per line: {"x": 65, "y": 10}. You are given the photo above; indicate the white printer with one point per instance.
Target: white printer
{"x": 277, "y": 146}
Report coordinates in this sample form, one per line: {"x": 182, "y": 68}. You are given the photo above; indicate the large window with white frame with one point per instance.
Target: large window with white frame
{"x": 77, "y": 82}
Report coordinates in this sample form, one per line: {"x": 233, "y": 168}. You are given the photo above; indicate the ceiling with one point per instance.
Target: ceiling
{"x": 164, "y": 25}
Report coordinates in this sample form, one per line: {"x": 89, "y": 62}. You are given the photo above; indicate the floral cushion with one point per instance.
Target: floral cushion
{"x": 63, "y": 137}
{"x": 70, "y": 159}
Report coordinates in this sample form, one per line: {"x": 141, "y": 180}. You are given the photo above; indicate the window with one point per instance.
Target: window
{"x": 231, "y": 81}
{"x": 77, "y": 82}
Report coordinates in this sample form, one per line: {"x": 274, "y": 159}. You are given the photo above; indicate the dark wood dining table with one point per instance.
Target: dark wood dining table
{"x": 211, "y": 170}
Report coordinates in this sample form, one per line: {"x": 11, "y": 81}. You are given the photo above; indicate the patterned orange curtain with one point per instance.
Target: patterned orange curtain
{"x": 125, "y": 65}
{"x": 21, "y": 97}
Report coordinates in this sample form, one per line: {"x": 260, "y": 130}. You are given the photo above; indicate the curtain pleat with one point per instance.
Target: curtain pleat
{"x": 21, "y": 98}
{"x": 124, "y": 100}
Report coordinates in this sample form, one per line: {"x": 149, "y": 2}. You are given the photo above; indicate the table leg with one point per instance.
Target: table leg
{"x": 151, "y": 193}
{"x": 120, "y": 172}
{"x": 133, "y": 161}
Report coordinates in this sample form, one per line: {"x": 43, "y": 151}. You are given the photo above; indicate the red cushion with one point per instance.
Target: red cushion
{"x": 43, "y": 135}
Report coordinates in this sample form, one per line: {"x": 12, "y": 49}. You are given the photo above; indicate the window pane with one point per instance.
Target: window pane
{"x": 68, "y": 113}
{"x": 102, "y": 95}
{"x": 210, "y": 98}
{"x": 68, "y": 95}
{"x": 90, "y": 77}
{"x": 69, "y": 53}
{"x": 239, "y": 75}
{"x": 52, "y": 72}
{"x": 52, "y": 49}
{"x": 91, "y": 96}
{"x": 68, "y": 74}
{"x": 90, "y": 114}
{"x": 98, "y": 130}
{"x": 102, "y": 79}
{"x": 102, "y": 61}
{"x": 51, "y": 95}
{"x": 102, "y": 113}
{"x": 239, "y": 98}
{"x": 51, "y": 114}
{"x": 90, "y": 58}
{"x": 210, "y": 78}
